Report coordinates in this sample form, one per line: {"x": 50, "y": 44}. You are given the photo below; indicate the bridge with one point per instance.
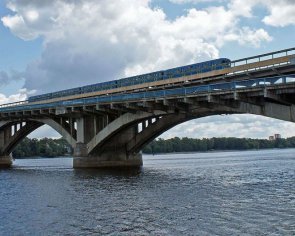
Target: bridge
{"x": 109, "y": 128}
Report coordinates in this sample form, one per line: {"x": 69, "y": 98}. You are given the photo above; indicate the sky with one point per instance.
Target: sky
{"x": 50, "y": 45}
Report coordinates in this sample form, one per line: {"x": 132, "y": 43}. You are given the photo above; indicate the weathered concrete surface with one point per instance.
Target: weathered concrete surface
{"x": 114, "y": 160}
{"x": 5, "y": 161}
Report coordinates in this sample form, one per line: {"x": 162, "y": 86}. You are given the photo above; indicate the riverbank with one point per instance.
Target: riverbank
{"x": 218, "y": 151}
{"x": 186, "y": 145}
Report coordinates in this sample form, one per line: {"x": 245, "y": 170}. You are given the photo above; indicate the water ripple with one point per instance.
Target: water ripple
{"x": 247, "y": 193}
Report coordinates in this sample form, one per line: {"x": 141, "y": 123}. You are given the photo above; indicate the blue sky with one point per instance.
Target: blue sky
{"x": 55, "y": 44}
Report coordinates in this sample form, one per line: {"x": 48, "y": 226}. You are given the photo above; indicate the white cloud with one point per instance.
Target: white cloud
{"x": 17, "y": 25}
{"x": 282, "y": 13}
{"x": 89, "y": 41}
{"x": 32, "y": 15}
{"x": 248, "y": 36}
{"x": 194, "y": 1}
{"x": 22, "y": 95}
{"x": 242, "y": 7}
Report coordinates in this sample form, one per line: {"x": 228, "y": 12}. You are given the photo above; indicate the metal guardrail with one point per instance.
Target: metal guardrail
{"x": 250, "y": 64}
{"x": 267, "y": 56}
{"x": 263, "y": 57}
{"x": 170, "y": 93}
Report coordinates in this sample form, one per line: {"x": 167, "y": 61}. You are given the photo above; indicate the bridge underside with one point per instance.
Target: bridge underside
{"x": 112, "y": 135}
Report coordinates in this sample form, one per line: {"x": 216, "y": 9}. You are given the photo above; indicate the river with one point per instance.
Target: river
{"x": 222, "y": 193}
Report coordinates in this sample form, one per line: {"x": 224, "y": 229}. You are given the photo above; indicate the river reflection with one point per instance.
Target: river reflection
{"x": 233, "y": 193}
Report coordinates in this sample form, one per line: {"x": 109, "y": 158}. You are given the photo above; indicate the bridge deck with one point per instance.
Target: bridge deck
{"x": 271, "y": 64}
{"x": 235, "y": 87}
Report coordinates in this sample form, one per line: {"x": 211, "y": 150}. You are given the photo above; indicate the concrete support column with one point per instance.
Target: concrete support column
{"x": 5, "y": 161}
{"x": 118, "y": 159}
{"x": 85, "y": 129}
{"x": 144, "y": 124}
{"x": 150, "y": 121}
{"x": 7, "y": 134}
{"x": 105, "y": 120}
{"x": 80, "y": 130}
{"x": 2, "y": 138}
{"x": 99, "y": 123}
{"x": 71, "y": 124}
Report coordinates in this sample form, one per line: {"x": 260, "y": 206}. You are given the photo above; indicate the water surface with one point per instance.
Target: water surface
{"x": 227, "y": 193}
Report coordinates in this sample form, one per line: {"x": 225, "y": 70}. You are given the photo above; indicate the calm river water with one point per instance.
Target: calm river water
{"x": 228, "y": 193}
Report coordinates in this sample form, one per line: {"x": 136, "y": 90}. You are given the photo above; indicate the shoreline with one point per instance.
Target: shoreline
{"x": 217, "y": 151}
{"x": 167, "y": 153}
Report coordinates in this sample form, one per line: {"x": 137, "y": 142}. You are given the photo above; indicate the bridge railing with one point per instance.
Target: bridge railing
{"x": 264, "y": 57}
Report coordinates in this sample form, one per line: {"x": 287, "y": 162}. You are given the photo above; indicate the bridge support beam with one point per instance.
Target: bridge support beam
{"x": 5, "y": 162}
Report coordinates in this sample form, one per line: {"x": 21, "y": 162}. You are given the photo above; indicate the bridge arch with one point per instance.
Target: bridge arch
{"x": 121, "y": 131}
{"x": 13, "y": 132}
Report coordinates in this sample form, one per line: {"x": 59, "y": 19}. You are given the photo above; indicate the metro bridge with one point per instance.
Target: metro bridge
{"x": 108, "y": 128}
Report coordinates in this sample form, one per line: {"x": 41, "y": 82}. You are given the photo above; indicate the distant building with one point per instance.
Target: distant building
{"x": 274, "y": 137}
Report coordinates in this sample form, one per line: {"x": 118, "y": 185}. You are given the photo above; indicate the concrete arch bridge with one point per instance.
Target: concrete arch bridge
{"x": 112, "y": 134}
{"x": 109, "y": 130}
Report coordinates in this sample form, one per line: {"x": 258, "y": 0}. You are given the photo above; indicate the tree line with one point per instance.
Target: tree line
{"x": 212, "y": 144}
{"x": 47, "y": 147}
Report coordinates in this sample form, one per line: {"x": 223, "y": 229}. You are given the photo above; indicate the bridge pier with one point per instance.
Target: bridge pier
{"x": 108, "y": 159}
{"x": 5, "y": 162}
{"x": 114, "y": 160}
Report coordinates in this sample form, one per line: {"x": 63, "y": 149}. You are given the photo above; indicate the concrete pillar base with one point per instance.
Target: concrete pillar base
{"x": 5, "y": 161}
{"x": 105, "y": 161}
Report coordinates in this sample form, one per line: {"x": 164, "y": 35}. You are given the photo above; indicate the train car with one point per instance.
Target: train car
{"x": 139, "y": 79}
{"x": 197, "y": 68}
{"x": 192, "y": 69}
{"x": 58, "y": 94}
{"x": 99, "y": 86}
{"x": 40, "y": 97}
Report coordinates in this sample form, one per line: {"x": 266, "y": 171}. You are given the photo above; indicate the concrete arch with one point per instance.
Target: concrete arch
{"x": 156, "y": 129}
{"x": 9, "y": 140}
{"x": 61, "y": 129}
{"x": 119, "y": 135}
{"x": 276, "y": 111}
{"x": 19, "y": 136}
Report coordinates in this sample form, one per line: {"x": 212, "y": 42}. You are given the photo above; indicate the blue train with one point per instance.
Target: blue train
{"x": 197, "y": 68}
